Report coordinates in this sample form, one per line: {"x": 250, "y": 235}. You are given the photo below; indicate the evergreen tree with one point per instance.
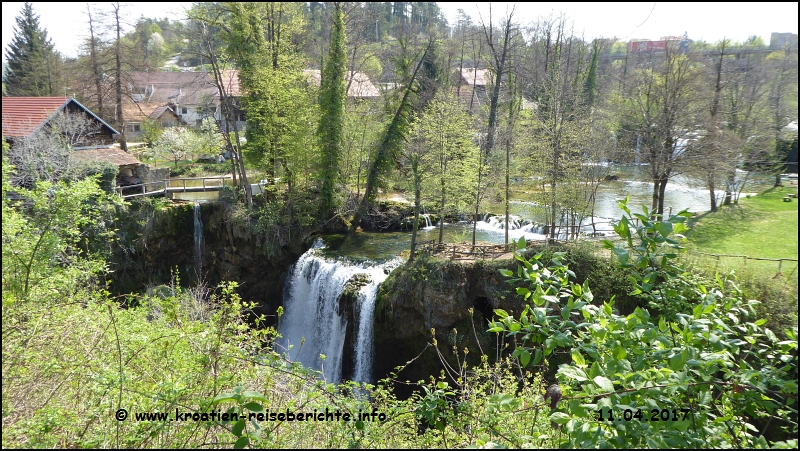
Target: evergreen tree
{"x": 332, "y": 99}
{"x": 33, "y": 64}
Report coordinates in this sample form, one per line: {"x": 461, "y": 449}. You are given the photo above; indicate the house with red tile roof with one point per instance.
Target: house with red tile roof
{"x": 24, "y": 116}
{"x": 359, "y": 85}
{"x": 137, "y": 113}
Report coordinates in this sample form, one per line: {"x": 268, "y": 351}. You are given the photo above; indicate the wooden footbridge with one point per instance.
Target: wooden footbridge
{"x": 177, "y": 185}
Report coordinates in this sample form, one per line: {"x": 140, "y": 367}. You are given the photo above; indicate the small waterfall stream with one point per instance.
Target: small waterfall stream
{"x": 313, "y": 323}
{"x": 198, "y": 239}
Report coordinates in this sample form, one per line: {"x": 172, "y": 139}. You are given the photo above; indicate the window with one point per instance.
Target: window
{"x": 136, "y": 128}
{"x": 184, "y": 110}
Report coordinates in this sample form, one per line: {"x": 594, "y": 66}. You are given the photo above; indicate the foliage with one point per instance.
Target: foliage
{"x": 46, "y": 249}
{"x": 447, "y": 156}
{"x": 280, "y": 119}
{"x": 716, "y": 363}
{"x": 151, "y": 131}
{"x": 210, "y": 140}
{"x": 34, "y": 65}
{"x": 106, "y": 172}
{"x": 332, "y": 97}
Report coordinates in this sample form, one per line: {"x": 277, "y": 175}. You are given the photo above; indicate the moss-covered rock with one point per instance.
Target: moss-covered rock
{"x": 441, "y": 295}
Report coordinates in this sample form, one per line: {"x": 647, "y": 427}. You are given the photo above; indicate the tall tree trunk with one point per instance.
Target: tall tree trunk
{"x": 477, "y": 196}
{"x": 97, "y": 73}
{"x": 730, "y": 187}
{"x": 394, "y": 135}
{"x": 443, "y": 170}
{"x": 661, "y": 190}
{"x": 508, "y": 166}
{"x": 118, "y": 83}
{"x": 417, "y": 196}
{"x": 712, "y": 195}
{"x": 499, "y": 57}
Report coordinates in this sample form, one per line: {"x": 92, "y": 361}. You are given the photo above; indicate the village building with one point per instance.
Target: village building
{"x": 359, "y": 86}
{"x": 471, "y": 88}
{"x": 22, "y": 117}
{"x": 137, "y": 114}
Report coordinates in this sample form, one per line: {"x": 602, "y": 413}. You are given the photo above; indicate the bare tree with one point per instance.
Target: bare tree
{"x": 205, "y": 17}
{"x": 660, "y": 104}
{"x": 499, "y": 48}
{"x": 95, "y": 47}
{"x": 117, "y": 49}
{"x": 45, "y": 155}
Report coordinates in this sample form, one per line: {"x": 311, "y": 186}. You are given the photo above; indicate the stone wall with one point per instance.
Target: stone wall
{"x": 148, "y": 174}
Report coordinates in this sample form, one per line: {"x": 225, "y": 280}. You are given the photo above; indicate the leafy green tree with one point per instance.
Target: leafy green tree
{"x": 716, "y": 371}
{"x": 210, "y": 140}
{"x": 34, "y": 66}
{"x": 151, "y": 131}
{"x": 363, "y": 126}
{"x": 44, "y": 238}
{"x": 555, "y": 133}
{"x": 392, "y": 143}
{"x": 449, "y": 158}
{"x": 332, "y": 97}
{"x": 261, "y": 40}
{"x": 281, "y": 116}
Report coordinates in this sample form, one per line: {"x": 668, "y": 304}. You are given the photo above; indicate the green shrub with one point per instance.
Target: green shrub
{"x": 717, "y": 371}
{"x": 107, "y": 172}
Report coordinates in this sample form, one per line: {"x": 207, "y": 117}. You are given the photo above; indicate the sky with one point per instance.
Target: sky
{"x": 66, "y": 23}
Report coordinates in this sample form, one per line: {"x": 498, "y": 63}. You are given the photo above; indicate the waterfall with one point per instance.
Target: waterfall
{"x": 428, "y": 225}
{"x": 198, "y": 239}
{"x": 312, "y": 322}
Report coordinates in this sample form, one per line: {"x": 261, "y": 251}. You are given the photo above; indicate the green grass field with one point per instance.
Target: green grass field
{"x": 761, "y": 226}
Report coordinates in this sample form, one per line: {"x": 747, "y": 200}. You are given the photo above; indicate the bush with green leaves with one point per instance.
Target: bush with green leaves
{"x": 723, "y": 379}
{"x": 106, "y": 171}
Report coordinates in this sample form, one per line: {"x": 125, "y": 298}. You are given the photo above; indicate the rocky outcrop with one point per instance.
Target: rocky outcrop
{"x": 453, "y": 302}
{"x": 156, "y": 242}
{"x": 431, "y": 298}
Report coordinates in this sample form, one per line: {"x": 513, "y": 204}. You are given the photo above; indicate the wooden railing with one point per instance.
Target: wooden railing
{"x": 167, "y": 186}
{"x": 468, "y": 251}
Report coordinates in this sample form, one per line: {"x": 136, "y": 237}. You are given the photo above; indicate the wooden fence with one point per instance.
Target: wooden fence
{"x": 791, "y": 262}
{"x": 466, "y": 251}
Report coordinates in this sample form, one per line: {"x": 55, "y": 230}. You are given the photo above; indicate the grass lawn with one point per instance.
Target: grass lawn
{"x": 760, "y": 226}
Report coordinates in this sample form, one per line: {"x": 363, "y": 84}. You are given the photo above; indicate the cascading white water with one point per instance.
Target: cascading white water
{"x": 517, "y": 227}
{"x": 428, "y": 224}
{"x": 312, "y": 323}
{"x": 198, "y": 239}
